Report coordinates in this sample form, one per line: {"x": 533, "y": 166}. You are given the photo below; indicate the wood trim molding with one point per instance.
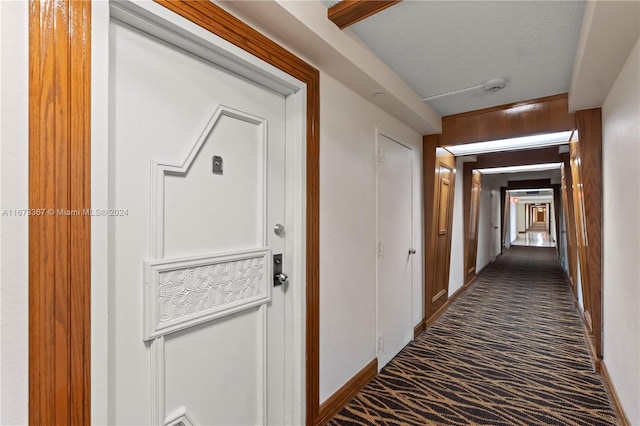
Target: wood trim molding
{"x": 59, "y": 178}
{"x": 418, "y": 329}
{"x": 59, "y": 181}
{"x": 542, "y": 115}
{"x": 348, "y": 12}
{"x": 338, "y": 400}
{"x": 623, "y": 419}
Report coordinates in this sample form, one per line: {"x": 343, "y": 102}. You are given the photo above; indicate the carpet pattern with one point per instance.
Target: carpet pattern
{"x": 509, "y": 351}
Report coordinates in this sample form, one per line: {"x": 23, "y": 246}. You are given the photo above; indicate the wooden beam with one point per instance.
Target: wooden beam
{"x": 543, "y": 115}
{"x": 518, "y": 158}
{"x": 348, "y": 12}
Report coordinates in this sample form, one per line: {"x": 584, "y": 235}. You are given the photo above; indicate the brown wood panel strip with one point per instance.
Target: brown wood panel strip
{"x": 348, "y": 12}
{"x": 518, "y": 158}
{"x": 623, "y": 419}
{"x": 216, "y": 20}
{"x": 549, "y": 114}
{"x": 338, "y": 400}
{"x": 59, "y": 284}
{"x": 529, "y": 184}
{"x": 470, "y": 205}
{"x": 429, "y": 145}
{"x": 589, "y": 126}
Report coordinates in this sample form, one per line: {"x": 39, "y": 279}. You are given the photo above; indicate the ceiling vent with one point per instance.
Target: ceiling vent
{"x": 495, "y": 85}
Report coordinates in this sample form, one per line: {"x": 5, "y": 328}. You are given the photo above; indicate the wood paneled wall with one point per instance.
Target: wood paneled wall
{"x": 589, "y": 127}
{"x": 543, "y": 115}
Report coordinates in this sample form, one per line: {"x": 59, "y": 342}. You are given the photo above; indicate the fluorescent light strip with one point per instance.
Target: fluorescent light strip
{"x": 525, "y": 142}
{"x": 518, "y": 169}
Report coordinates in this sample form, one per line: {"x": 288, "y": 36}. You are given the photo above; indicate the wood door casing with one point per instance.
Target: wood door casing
{"x": 438, "y": 220}
{"x": 581, "y": 230}
{"x": 569, "y": 225}
{"x": 472, "y": 186}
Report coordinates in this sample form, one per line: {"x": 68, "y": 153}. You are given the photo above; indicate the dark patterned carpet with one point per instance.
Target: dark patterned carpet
{"x": 510, "y": 351}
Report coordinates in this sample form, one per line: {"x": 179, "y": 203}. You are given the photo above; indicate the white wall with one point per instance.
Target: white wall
{"x": 456, "y": 265}
{"x": 520, "y": 218}
{"x": 621, "y": 234}
{"x": 13, "y": 195}
{"x": 348, "y": 229}
{"x": 513, "y": 229}
{"x": 484, "y": 229}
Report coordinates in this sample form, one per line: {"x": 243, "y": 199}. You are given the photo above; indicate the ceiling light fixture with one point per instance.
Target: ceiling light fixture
{"x": 491, "y": 86}
{"x": 518, "y": 169}
{"x": 512, "y": 144}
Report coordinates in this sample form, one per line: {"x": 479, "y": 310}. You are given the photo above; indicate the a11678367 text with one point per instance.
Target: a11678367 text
{"x": 65, "y": 212}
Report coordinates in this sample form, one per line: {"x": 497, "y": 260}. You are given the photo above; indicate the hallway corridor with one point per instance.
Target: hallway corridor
{"x": 537, "y": 235}
{"x": 509, "y": 351}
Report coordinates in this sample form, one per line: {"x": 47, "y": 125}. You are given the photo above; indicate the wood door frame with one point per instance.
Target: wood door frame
{"x": 60, "y": 178}
{"x": 470, "y": 245}
{"x": 433, "y": 161}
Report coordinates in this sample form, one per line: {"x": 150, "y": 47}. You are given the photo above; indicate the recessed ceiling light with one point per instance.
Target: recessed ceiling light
{"x": 512, "y": 144}
{"x": 518, "y": 169}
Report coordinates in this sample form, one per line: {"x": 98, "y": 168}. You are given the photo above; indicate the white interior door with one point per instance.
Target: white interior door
{"x": 394, "y": 248}
{"x": 197, "y": 169}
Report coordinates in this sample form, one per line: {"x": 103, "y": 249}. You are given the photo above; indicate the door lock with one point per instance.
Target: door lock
{"x": 279, "y": 277}
{"x": 412, "y": 251}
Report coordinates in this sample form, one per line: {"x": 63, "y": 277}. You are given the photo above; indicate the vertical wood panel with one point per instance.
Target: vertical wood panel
{"x": 589, "y": 127}
{"x": 429, "y": 145}
{"x": 570, "y": 225}
{"x": 439, "y": 172}
{"x": 581, "y": 231}
{"x": 472, "y": 185}
{"x": 59, "y": 249}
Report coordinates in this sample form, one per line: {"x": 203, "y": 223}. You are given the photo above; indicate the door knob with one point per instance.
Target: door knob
{"x": 412, "y": 251}
{"x": 281, "y": 278}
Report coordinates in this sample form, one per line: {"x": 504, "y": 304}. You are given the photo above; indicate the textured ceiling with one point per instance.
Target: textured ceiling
{"x": 444, "y": 46}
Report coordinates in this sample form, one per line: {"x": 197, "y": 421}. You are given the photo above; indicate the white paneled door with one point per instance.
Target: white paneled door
{"x": 198, "y": 171}
{"x": 395, "y": 251}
